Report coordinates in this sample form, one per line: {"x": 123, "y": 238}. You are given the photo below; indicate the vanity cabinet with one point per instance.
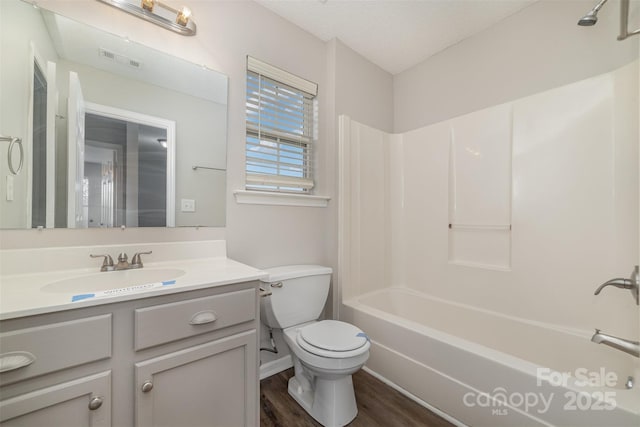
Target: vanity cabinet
{"x": 82, "y": 402}
{"x": 185, "y": 359}
{"x": 171, "y": 390}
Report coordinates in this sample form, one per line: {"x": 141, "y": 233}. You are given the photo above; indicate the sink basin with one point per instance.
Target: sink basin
{"x": 108, "y": 280}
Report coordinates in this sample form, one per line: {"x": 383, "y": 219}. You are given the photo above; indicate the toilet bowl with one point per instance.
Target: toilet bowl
{"x": 325, "y": 353}
{"x": 322, "y": 383}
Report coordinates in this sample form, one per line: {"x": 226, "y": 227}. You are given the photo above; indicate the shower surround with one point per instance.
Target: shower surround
{"x": 518, "y": 211}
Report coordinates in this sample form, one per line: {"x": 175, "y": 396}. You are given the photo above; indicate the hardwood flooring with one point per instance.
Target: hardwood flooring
{"x": 378, "y": 405}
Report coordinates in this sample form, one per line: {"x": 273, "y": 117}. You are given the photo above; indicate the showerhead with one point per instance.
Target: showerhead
{"x": 592, "y": 17}
{"x": 589, "y": 19}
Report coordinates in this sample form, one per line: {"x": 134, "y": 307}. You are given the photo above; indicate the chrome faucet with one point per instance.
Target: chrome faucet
{"x": 633, "y": 284}
{"x": 107, "y": 263}
{"x": 123, "y": 261}
{"x": 136, "y": 261}
{"x": 631, "y": 347}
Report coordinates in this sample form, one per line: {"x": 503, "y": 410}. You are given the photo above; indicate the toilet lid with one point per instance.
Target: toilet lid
{"x": 333, "y": 335}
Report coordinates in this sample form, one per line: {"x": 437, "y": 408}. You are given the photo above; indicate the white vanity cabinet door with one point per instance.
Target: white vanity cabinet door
{"x": 62, "y": 405}
{"x": 213, "y": 384}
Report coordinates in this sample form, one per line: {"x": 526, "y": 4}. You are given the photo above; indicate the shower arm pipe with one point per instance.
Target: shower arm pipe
{"x": 598, "y": 7}
{"x": 624, "y": 21}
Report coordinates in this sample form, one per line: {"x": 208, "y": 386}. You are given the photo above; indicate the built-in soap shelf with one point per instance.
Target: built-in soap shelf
{"x": 480, "y": 226}
{"x": 486, "y": 246}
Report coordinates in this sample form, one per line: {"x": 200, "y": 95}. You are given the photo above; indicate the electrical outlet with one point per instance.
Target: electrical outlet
{"x": 188, "y": 205}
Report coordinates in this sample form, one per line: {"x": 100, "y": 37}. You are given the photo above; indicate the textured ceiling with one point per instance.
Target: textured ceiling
{"x": 395, "y": 34}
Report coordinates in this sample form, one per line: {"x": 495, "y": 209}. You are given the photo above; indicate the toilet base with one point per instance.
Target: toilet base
{"x": 331, "y": 402}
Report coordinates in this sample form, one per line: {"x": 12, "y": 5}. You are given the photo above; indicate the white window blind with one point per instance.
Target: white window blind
{"x": 280, "y": 129}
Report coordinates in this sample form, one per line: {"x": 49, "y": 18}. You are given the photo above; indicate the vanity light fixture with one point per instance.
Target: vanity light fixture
{"x": 179, "y": 21}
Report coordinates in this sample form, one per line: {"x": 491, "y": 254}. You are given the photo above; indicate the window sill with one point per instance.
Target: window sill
{"x": 280, "y": 199}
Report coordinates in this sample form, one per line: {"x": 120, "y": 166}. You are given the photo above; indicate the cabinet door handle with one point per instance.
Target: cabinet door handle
{"x": 95, "y": 403}
{"x": 203, "y": 317}
{"x": 147, "y": 386}
{"x": 15, "y": 360}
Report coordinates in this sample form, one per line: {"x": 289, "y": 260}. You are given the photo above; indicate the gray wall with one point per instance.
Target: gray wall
{"x": 262, "y": 236}
{"x": 18, "y": 28}
{"x": 536, "y": 49}
{"x": 200, "y": 133}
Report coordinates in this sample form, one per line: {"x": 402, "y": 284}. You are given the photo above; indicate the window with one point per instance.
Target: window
{"x": 280, "y": 129}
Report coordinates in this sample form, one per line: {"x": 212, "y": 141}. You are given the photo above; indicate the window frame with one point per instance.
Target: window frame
{"x": 279, "y": 154}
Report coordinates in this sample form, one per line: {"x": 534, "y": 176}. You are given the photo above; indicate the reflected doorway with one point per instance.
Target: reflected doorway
{"x": 125, "y": 173}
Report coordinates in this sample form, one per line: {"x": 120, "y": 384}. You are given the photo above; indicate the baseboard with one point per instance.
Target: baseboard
{"x": 275, "y": 366}
{"x": 415, "y": 398}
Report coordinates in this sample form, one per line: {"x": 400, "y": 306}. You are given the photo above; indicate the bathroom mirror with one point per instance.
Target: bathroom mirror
{"x": 111, "y": 133}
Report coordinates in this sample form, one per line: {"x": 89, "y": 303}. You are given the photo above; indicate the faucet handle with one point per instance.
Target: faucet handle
{"x": 136, "y": 262}
{"x": 632, "y": 284}
{"x": 107, "y": 263}
{"x": 618, "y": 283}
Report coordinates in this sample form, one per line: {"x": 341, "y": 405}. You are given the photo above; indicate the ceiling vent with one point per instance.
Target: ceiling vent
{"x": 120, "y": 59}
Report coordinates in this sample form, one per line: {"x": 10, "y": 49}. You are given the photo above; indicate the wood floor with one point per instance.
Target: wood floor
{"x": 378, "y": 405}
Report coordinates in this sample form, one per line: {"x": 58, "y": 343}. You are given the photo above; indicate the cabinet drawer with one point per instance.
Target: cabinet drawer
{"x": 170, "y": 322}
{"x": 36, "y": 351}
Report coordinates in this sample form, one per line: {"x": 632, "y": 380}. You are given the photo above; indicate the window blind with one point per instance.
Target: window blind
{"x": 280, "y": 129}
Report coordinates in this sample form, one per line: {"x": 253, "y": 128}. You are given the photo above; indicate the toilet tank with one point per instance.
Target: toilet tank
{"x": 298, "y": 294}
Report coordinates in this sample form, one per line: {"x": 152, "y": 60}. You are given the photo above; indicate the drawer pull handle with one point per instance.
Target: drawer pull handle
{"x": 15, "y": 360}
{"x": 95, "y": 403}
{"x": 203, "y": 317}
{"x": 264, "y": 292}
{"x": 147, "y": 387}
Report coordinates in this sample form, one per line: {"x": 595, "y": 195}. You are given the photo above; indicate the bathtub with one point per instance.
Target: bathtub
{"x": 481, "y": 368}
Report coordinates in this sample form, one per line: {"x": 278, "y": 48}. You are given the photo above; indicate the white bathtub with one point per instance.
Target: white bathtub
{"x": 466, "y": 362}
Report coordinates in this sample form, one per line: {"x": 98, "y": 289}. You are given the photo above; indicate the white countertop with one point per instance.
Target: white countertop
{"x": 22, "y": 295}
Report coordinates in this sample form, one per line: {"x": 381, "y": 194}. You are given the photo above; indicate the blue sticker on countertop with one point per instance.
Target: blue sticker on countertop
{"x": 81, "y": 297}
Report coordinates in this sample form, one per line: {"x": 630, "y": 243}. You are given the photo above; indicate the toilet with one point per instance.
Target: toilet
{"x": 325, "y": 353}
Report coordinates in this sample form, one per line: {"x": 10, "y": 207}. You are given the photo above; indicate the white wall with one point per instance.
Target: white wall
{"x": 536, "y": 49}
{"x": 360, "y": 90}
{"x": 570, "y": 169}
{"x": 533, "y": 51}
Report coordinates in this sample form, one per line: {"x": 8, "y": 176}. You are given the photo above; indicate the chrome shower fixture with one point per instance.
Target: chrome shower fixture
{"x": 624, "y": 21}
{"x": 592, "y": 17}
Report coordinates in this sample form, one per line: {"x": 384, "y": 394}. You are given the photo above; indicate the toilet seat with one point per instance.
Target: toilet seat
{"x": 333, "y": 339}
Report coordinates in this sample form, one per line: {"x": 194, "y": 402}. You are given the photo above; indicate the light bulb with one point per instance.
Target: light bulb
{"x": 148, "y": 5}
{"x": 183, "y": 16}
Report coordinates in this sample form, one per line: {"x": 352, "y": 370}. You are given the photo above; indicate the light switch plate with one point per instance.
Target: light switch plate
{"x": 9, "y": 188}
